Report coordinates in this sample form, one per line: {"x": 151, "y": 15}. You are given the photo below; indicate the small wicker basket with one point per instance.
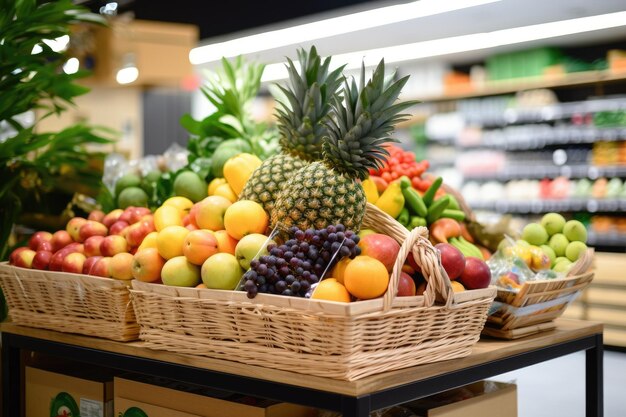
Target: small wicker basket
{"x": 517, "y": 314}
{"x": 329, "y": 339}
{"x": 71, "y": 303}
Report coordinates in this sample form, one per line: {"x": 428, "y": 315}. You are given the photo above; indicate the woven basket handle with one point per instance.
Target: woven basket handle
{"x": 426, "y": 256}
{"x": 416, "y": 243}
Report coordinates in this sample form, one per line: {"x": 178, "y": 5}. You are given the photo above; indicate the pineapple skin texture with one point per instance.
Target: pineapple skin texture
{"x": 318, "y": 196}
{"x": 267, "y": 180}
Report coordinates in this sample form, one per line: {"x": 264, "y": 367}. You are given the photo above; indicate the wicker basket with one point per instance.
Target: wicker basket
{"x": 71, "y": 303}
{"x": 336, "y": 340}
{"x": 537, "y": 302}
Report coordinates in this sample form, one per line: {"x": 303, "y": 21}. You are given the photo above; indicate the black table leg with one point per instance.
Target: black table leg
{"x": 11, "y": 383}
{"x": 356, "y": 406}
{"x": 594, "y": 379}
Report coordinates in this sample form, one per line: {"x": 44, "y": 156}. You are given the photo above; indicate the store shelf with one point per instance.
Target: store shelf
{"x": 615, "y": 239}
{"x": 493, "y": 88}
{"x": 545, "y": 206}
{"x": 537, "y": 172}
{"x": 542, "y": 136}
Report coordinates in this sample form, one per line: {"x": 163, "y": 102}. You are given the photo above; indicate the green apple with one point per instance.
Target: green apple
{"x": 249, "y": 247}
{"x": 179, "y": 272}
{"x": 535, "y": 234}
{"x": 563, "y": 266}
{"x": 553, "y": 223}
{"x": 575, "y": 250}
{"x": 575, "y": 231}
{"x": 558, "y": 243}
{"x": 221, "y": 271}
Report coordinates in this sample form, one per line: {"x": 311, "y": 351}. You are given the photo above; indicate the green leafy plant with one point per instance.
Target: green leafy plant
{"x": 231, "y": 91}
{"x": 41, "y": 170}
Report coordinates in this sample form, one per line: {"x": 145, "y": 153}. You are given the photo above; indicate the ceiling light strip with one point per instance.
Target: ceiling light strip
{"x": 327, "y": 27}
{"x": 465, "y": 43}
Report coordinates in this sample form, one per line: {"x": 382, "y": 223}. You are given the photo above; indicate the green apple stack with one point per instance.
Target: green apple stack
{"x": 564, "y": 242}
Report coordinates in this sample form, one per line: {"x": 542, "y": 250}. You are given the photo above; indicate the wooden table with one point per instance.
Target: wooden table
{"x": 489, "y": 357}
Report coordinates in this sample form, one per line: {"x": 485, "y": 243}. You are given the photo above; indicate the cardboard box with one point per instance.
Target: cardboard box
{"x": 75, "y": 392}
{"x": 134, "y": 408}
{"x": 483, "y": 398}
{"x": 171, "y": 396}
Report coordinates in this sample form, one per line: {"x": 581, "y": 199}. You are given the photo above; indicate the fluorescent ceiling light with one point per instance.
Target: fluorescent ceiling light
{"x": 127, "y": 75}
{"x": 327, "y": 27}
{"x": 464, "y": 43}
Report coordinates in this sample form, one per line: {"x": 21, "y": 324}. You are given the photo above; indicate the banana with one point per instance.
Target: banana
{"x": 466, "y": 248}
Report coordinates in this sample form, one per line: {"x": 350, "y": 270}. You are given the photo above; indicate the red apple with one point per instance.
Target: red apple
{"x": 381, "y": 247}
{"x": 476, "y": 274}
{"x": 452, "y": 260}
{"x": 24, "y": 258}
{"x": 112, "y": 245}
{"x": 73, "y": 263}
{"x": 91, "y": 228}
{"x": 112, "y": 217}
{"x": 96, "y": 215}
{"x": 73, "y": 227}
{"x": 56, "y": 262}
{"x": 406, "y": 285}
{"x": 413, "y": 263}
{"x": 101, "y": 267}
{"x": 37, "y": 238}
{"x": 44, "y": 245}
{"x": 16, "y": 252}
{"x": 137, "y": 214}
{"x": 92, "y": 245}
{"x": 117, "y": 227}
{"x": 138, "y": 231}
{"x": 60, "y": 239}
{"x": 42, "y": 259}
{"x": 121, "y": 266}
{"x": 147, "y": 265}
{"x": 89, "y": 264}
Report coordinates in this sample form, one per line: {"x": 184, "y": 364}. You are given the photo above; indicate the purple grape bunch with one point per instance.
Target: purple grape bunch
{"x": 292, "y": 267}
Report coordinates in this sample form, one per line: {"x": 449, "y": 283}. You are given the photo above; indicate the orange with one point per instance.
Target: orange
{"x": 366, "y": 277}
{"x": 245, "y": 217}
{"x": 226, "y": 191}
{"x": 457, "y": 286}
{"x": 216, "y": 182}
{"x": 340, "y": 269}
{"x": 183, "y": 204}
{"x": 331, "y": 290}
{"x": 150, "y": 241}
{"x": 166, "y": 216}
{"x": 170, "y": 241}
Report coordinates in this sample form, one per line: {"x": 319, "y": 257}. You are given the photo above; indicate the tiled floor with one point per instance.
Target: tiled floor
{"x": 557, "y": 388}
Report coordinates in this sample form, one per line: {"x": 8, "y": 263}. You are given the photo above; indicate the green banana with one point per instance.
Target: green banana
{"x": 467, "y": 248}
{"x": 435, "y": 209}
{"x": 453, "y": 214}
{"x": 429, "y": 195}
{"x": 403, "y": 217}
{"x": 416, "y": 221}
{"x": 454, "y": 204}
{"x": 414, "y": 201}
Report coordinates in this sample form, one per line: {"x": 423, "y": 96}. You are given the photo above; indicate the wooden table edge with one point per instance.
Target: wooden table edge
{"x": 484, "y": 351}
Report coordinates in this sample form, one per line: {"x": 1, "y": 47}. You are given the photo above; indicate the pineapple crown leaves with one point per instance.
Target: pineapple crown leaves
{"x": 361, "y": 122}
{"x": 301, "y": 116}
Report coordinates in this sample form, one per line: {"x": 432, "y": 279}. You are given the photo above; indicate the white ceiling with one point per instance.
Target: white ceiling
{"x": 486, "y": 18}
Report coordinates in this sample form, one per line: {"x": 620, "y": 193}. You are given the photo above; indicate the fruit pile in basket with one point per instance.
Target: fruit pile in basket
{"x": 546, "y": 250}
{"x": 291, "y": 224}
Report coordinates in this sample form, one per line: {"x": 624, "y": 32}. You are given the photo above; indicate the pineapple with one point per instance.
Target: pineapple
{"x": 301, "y": 126}
{"x": 327, "y": 192}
